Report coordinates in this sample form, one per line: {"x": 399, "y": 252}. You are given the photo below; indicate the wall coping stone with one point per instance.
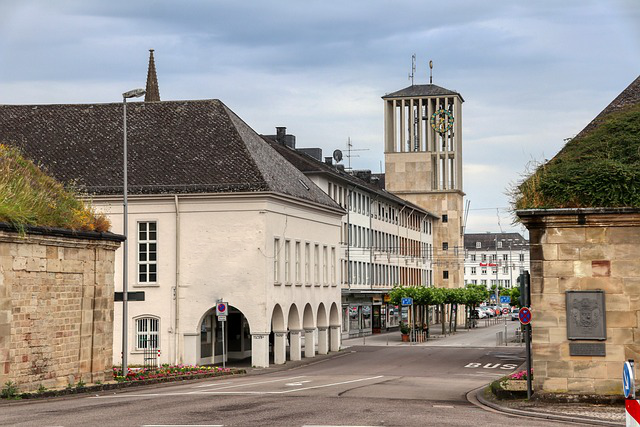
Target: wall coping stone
{"x": 579, "y": 217}
{"x": 63, "y": 232}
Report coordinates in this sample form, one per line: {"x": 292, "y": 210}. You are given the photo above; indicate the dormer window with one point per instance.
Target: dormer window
{"x": 478, "y": 245}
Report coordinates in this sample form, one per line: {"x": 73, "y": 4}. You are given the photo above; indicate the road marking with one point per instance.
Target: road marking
{"x": 232, "y": 392}
{"x": 443, "y": 406}
{"x": 298, "y": 383}
{"x": 260, "y": 382}
{"x": 183, "y": 425}
{"x": 213, "y": 384}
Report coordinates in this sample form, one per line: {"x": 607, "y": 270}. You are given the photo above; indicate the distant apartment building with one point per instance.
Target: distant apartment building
{"x": 495, "y": 258}
{"x": 385, "y": 241}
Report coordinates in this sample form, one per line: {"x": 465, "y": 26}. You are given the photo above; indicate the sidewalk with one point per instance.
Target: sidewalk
{"x": 580, "y": 413}
{"x": 481, "y": 336}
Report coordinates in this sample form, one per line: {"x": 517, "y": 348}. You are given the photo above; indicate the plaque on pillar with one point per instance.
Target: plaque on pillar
{"x": 586, "y": 315}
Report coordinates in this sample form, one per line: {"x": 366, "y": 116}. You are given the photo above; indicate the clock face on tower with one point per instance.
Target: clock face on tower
{"x": 441, "y": 121}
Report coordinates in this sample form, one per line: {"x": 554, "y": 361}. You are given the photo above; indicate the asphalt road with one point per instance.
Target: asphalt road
{"x": 365, "y": 386}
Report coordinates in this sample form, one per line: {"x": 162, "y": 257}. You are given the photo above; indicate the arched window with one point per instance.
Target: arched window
{"x": 147, "y": 333}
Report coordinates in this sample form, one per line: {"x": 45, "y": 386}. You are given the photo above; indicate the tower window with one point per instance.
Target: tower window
{"x": 445, "y": 218}
{"x": 445, "y": 274}
{"x": 445, "y": 246}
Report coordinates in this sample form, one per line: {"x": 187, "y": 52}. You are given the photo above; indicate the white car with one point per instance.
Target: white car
{"x": 514, "y": 313}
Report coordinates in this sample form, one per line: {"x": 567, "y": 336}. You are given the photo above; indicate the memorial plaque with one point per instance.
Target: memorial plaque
{"x": 586, "y": 315}
{"x": 586, "y": 349}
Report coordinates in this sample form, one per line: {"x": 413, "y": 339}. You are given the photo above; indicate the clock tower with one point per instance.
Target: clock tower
{"x": 423, "y": 164}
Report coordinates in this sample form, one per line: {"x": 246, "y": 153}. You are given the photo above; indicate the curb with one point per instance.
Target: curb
{"x": 532, "y": 414}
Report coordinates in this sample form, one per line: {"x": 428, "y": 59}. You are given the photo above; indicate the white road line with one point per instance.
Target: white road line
{"x": 443, "y": 406}
{"x": 183, "y": 425}
{"x": 330, "y": 385}
{"x": 213, "y": 384}
{"x": 260, "y": 382}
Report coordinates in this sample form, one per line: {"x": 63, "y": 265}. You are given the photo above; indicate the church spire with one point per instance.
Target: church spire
{"x": 153, "y": 92}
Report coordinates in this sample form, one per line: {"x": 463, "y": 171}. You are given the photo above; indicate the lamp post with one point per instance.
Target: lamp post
{"x": 135, "y": 93}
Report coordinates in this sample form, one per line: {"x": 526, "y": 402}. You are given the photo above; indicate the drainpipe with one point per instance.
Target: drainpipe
{"x": 176, "y": 327}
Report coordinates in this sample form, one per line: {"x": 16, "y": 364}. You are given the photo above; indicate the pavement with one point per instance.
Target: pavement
{"x": 484, "y": 335}
{"x": 377, "y": 381}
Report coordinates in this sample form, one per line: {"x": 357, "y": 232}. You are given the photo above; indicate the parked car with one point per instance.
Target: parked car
{"x": 487, "y": 311}
{"x": 514, "y": 313}
{"x": 478, "y": 313}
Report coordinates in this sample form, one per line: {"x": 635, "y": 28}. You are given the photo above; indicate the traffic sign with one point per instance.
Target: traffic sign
{"x": 505, "y": 310}
{"x": 222, "y": 318}
{"x": 505, "y": 299}
{"x": 221, "y": 309}
{"x": 407, "y": 301}
{"x": 524, "y": 315}
{"x": 627, "y": 380}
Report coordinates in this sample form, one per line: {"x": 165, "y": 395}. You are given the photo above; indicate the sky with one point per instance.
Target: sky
{"x": 532, "y": 73}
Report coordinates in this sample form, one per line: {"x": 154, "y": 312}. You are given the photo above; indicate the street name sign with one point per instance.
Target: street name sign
{"x": 524, "y": 315}
{"x": 407, "y": 301}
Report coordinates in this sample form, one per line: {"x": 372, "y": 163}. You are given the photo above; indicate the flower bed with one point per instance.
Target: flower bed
{"x": 167, "y": 371}
{"x": 137, "y": 377}
{"x": 513, "y": 386}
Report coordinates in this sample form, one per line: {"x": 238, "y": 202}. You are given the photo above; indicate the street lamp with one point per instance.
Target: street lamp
{"x": 135, "y": 93}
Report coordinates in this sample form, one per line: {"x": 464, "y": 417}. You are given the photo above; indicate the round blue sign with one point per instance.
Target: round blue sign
{"x": 524, "y": 315}
{"x": 222, "y": 307}
{"x": 627, "y": 382}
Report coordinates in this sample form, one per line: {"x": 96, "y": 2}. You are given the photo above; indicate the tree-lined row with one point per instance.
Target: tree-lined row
{"x": 470, "y": 296}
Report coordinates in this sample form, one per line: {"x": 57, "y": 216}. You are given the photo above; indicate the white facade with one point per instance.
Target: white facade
{"x": 247, "y": 249}
{"x": 495, "y": 259}
{"x": 385, "y": 242}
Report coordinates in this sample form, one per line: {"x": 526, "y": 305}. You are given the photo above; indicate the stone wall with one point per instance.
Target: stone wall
{"x": 56, "y": 307}
{"x": 577, "y": 250}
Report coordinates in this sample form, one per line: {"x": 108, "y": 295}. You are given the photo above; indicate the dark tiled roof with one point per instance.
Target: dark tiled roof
{"x": 173, "y": 147}
{"x": 309, "y": 165}
{"x": 488, "y": 241}
{"x": 629, "y": 96}
{"x": 421, "y": 90}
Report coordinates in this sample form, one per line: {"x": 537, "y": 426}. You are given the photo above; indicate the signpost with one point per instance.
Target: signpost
{"x": 631, "y": 405}
{"x": 222, "y": 309}
{"x": 525, "y": 319}
{"x": 409, "y": 302}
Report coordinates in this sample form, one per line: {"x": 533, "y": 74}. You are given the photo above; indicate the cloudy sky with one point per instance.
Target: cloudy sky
{"x": 531, "y": 73}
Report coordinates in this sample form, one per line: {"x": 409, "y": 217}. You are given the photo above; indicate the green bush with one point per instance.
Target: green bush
{"x": 599, "y": 168}
{"x": 9, "y": 391}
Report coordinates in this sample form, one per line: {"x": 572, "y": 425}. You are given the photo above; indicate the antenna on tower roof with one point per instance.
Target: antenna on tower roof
{"x": 413, "y": 68}
{"x": 430, "y": 72}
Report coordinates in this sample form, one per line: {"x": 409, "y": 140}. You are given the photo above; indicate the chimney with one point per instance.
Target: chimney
{"x": 328, "y": 160}
{"x": 153, "y": 92}
{"x": 281, "y": 132}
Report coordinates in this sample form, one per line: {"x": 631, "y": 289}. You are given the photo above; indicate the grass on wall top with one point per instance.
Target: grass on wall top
{"x": 600, "y": 168}
{"x": 29, "y": 197}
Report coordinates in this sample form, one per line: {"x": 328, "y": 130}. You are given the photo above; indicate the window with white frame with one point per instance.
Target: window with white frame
{"x": 147, "y": 333}
{"x": 287, "y": 261}
{"x": 505, "y": 270}
{"x": 473, "y": 270}
{"x": 483, "y": 270}
{"x": 307, "y": 260}
{"x": 499, "y": 244}
{"x": 521, "y": 257}
{"x": 473, "y": 257}
{"x": 478, "y": 245}
{"x": 147, "y": 252}
{"x": 333, "y": 265}
{"x": 276, "y": 260}
{"x": 484, "y": 257}
{"x": 297, "y": 262}
{"x": 325, "y": 264}
{"x": 505, "y": 257}
{"x": 483, "y": 282}
{"x": 316, "y": 263}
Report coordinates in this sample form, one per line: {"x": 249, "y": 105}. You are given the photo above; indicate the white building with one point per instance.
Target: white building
{"x": 215, "y": 214}
{"x": 385, "y": 241}
{"x": 495, "y": 258}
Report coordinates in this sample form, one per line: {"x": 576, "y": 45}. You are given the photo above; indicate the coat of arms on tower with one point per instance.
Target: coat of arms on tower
{"x": 586, "y": 315}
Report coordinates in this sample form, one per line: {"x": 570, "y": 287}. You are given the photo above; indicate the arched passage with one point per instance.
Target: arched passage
{"x": 295, "y": 333}
{"x": 323, "y": 330}
{"x": 308, "y": 323}
{"x": 237, "y": 337}
{"x": 278, "y": 336}
{"x": 334, "y": 328}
